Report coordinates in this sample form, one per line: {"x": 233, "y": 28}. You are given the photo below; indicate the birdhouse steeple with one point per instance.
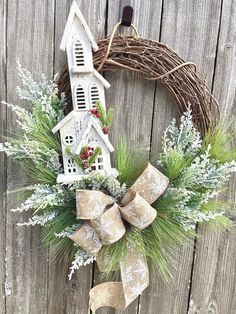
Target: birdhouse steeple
{"x": 78, "y": 42}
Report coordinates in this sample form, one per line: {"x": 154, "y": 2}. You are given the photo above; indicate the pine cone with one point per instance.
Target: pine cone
{"x": 85, "y": 164}
{"x": 105, "y": 130}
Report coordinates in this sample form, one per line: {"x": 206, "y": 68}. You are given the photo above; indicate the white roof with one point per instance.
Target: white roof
{"x": 102, "y": 79}
{"x": 63, "y": 121}
{"x": 93, "y": 123}
{"x": 75, "y": 12}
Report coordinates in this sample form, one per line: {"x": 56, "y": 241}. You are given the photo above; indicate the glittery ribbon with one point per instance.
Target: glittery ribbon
{"x": 105, "y": 226}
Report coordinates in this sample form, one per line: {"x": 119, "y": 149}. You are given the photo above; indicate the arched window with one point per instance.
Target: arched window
{"x": 80, "y": 101}
{"x": 71, "y": 166}
{"x": 94, "y": 95}
{"x": 78, "y": 53}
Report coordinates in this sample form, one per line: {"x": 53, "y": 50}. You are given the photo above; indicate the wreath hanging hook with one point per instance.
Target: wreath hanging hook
{"x": 111, "y": 40}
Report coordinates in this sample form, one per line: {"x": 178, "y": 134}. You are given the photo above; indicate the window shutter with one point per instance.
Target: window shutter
{"x": 94, "y": 94}
{"x": 80, "y": 100}
{"x": 78, "y": 53}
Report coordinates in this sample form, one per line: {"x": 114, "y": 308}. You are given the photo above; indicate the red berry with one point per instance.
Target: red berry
{"x": 85, "y": 151}
{"x": 98, "y": 115}
{"x": 94, "y": 111}
{"x": 92, "y": 148}
{"x": 90, "y": 153}
{"x": 89, "y": 148}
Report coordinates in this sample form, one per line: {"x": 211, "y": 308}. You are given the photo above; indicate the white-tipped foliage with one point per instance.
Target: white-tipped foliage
{"x": 183, "y": 138}
{"x": 40, "y": 220}
{"x": 44, "y": 196}
{"x": 82, "y": 258}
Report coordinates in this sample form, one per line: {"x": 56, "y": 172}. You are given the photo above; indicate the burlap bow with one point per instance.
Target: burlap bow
{"x": 105, "y": 226}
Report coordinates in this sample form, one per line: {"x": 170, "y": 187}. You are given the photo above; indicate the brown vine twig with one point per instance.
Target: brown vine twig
{"x": 154, "y": 61}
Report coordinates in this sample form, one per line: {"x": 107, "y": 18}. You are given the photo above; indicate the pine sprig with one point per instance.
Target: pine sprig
{"x": 104, "y": 118}
{"x": 86, "y": 157}
{"x": 129, "y": 162}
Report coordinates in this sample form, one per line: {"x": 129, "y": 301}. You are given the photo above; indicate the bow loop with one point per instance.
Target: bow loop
{"x": 90, "y": 204}
{"x": 105, "y": 226}
{"x": 136, "y": 210}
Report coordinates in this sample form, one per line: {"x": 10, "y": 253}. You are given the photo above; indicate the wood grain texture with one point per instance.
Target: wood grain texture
{"x": 66, "y": 296}
{"x": 190, "y": 29}
{"x": 213, "y": 290}
{"x": 29, "y": 39}
{"x": 3, "y": 178}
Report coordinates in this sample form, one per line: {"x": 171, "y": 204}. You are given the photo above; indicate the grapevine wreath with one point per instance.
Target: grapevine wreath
{"x": 129, "y": 218}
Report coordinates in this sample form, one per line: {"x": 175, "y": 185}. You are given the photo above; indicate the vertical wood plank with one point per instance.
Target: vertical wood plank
{"x": 190, "y": 28}
{"x": 72, "y": 296}
{"x": 3, "y": 12}
{"x": 214, "y": 289}
{"x": 29, "y": 39}
{"x": 131, "y": 96}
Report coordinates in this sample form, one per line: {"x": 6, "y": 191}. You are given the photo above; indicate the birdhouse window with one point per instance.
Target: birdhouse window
{"x": 71, "y": 166}
{"x": 78, "y": 53}
{"x": 69, "y": 140}
{"x": 98, "y": 163}
{"x": 94, "y": 95}
{"x": 80, "y": 100}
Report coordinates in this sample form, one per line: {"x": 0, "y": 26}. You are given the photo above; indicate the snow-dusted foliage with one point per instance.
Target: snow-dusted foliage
{"x": 43, "y": 93}
{"x": 39, "y": 219}
{"x": 206, "y": 172}
{"x": 44, "y": 196}
{"x": 68, "y": 231}
{"x": 98, "y": 181}
{"x": 82, "y": 258}
{"x": 183, "y": 138}
{"x": 196, "y": 176}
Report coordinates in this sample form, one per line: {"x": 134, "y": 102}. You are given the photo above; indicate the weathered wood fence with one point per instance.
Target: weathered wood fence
{"x": 202, "y": 31}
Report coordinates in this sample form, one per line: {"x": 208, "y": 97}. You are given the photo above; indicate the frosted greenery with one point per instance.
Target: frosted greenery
{"x": 39, "y": 219}
{"x": 45, "y": 196}
{"x": 42, "y": 93}
{"x": 195, "y": 175}
{"x": 98, "y": 181}
{"x": 196, "y": 167}
{"x": 81, "y": 258}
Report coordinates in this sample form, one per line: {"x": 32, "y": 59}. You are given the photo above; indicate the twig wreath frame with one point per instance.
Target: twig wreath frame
{"x": 155, "y": 61}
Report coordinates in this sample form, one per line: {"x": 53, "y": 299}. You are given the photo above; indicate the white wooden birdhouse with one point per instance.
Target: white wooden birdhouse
{"x": 79, "y": 128}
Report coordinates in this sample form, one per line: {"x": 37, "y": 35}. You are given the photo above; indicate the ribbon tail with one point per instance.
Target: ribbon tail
{"x": 135, "y": 278}
{"x": 107, "y": 294}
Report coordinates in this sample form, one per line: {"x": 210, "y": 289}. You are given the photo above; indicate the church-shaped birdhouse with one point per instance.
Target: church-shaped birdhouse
{"x": 79, "y": 128}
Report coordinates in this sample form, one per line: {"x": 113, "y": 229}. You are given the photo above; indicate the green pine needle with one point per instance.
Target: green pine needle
{"x": 60, "y": 248}
{"x": 220, "y": 139}
{"x": 105, "y": 118}
{"x": 129, "y": 162}
{"x": 175, "y": 163}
